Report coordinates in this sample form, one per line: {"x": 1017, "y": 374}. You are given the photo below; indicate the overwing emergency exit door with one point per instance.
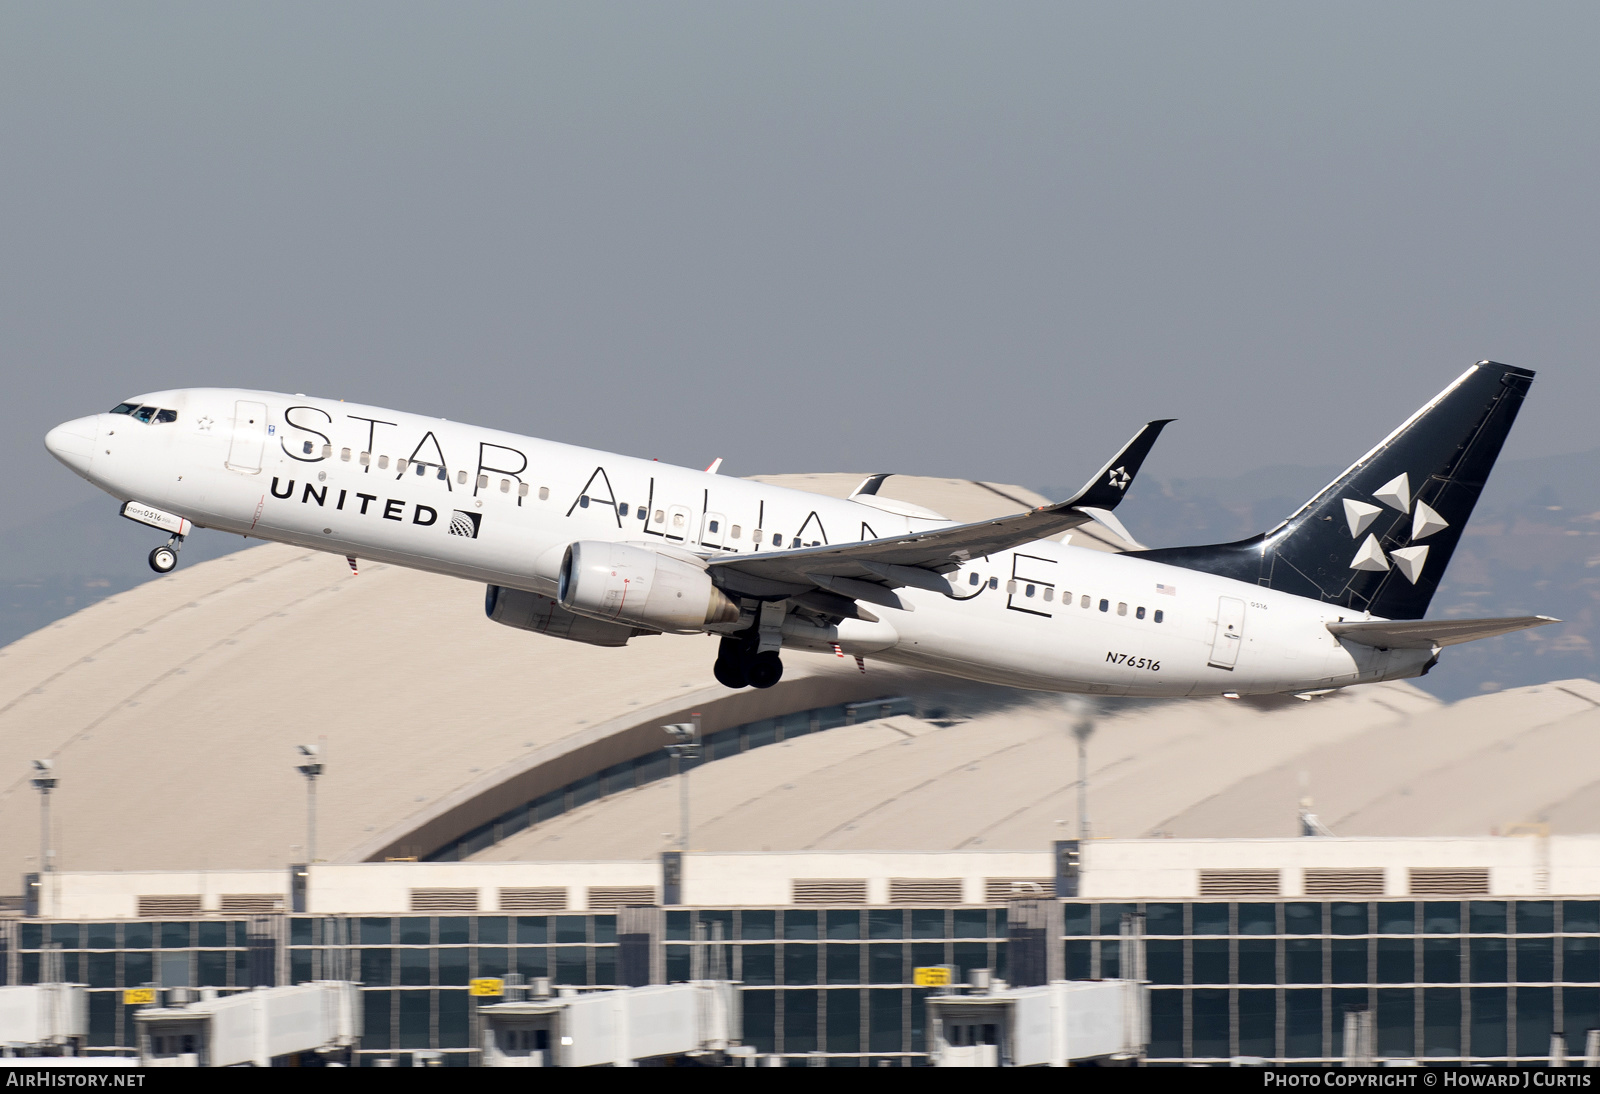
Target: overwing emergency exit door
{"x": 678, "y": 522}
{"x": 1230, "y": 633}
{"x": 249, "y": 437}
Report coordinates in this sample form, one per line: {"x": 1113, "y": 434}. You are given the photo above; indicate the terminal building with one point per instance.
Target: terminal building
{"x": 497, "y": 804}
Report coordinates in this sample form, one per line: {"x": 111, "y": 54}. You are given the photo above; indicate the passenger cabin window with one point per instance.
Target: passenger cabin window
{"x": 994, "y": 583}
{"x": 755, "y": 535}
{"x": 1159, "y": 615}
{"x": 461, "y": 478}
{"x": 1139, "y": 612}
{"x": 777, "y": 539}
{"x": 622, "y": 509}
{"x": 165, "y": 416}
{"x": 366, "y": 459}
{"x": 1011, "y": 588}
{"x": 522, "y": 490}
{"x": 1028, "y": 591}
{"x": 383, "y": 462}
{"x": 972, "y": 579}
{"x": 641, "y": 512}
{"x": 583, "y": 501}
{"x": 794, "y": 542}
{"x": 677, "y": 520}
{"x": 327, "y": 451}
{"x": 505, "y": 486}
{"x": 1105, "y": 605}
{"x": 1049, "y": 595}
{"x": 713, "y": 526}
{"x": 1085, "y": 601}
{"x": 144, "y": 414}
{"x": 483, "y": 482}
{"x": 344, "y": 454}
{"x": 422, "y": 470}
{"x": 544, "y": 495}
{"x": 1122, "y": 609}
{"x": 400, "y": 465}
{"x": 734, "y": 531}
{"x": 306, "y": 448}
{"x": 124, "y": 408}
{"x": 661, "y": 516}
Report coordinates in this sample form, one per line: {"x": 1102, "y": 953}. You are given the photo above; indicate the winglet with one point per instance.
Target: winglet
{"x": 716, "y": 466}
{"x": 1107, "y": 488}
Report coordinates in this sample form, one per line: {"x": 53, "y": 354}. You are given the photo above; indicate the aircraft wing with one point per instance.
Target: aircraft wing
{"x": 1422, "y": 634}
{"x": 871, "y": 569}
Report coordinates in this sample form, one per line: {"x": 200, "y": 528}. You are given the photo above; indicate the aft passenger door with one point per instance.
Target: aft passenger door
{"x": 249, "y": 437}
{"x": 1229, "y": 635}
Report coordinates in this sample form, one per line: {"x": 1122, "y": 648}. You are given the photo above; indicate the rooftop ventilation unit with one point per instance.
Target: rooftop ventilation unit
{"x": 998, "y": 890}
{"x": 444, "y": 900}
{"x": 1426, "y": 881}
{"x": 1239, "y": 883}
{"x": 925, "y": 890}
{"x": 252, "y": 903}
{"x": 1344, "y": 882}
{"x": 609, "y": 897}
{"x": 830, "y": 890}
{"x": 548, "y": 898}
{"x": 172, "y": 905}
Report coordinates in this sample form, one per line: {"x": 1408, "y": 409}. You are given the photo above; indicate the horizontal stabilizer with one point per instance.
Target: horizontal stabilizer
{"x": 1423, "y": 634}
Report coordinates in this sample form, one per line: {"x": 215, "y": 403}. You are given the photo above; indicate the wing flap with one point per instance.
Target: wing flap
{"x": 1422, "y": 634}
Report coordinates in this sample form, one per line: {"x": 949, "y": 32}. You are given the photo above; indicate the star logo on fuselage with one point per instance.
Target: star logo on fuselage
{"x": 205, "y": 424}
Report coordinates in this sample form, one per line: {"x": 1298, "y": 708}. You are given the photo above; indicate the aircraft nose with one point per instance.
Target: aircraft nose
{"x": 73, "y": 442}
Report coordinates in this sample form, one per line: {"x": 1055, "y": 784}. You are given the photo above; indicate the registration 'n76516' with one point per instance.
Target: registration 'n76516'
{"x": 1133, "y": 662}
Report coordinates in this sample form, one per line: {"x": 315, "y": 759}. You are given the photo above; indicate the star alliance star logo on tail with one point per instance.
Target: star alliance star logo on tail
{"x": 1425, "y": 521}
{"x": 1119, "y": 478}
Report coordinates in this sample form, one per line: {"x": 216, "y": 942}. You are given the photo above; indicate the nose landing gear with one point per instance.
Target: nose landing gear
{"x": 164, "y": 559}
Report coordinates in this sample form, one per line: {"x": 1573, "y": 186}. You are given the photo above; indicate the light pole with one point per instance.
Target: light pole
{"x": 311, "y": 767}
{"x": 1082, "y": 728}
{"x": 44, "y": 781}
{"x": 686, "y": 736}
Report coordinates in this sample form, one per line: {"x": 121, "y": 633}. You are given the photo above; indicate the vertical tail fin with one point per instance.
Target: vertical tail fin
{"x": 1378, "y": 538}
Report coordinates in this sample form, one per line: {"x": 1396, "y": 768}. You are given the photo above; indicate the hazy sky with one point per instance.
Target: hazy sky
{"x": 983, "y": 240}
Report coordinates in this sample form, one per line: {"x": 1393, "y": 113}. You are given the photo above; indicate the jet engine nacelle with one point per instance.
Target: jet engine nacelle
{"x": 622, "y": 583}
{"x": 532, "y": 612}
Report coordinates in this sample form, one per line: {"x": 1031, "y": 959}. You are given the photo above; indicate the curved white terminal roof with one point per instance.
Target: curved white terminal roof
{"x": 1380, "y": 760}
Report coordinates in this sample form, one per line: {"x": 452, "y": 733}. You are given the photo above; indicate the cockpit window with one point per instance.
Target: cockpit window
{"x": 144, "y": 414}
{"x": 164, "y": 416}
{"x": 124, "y": 408}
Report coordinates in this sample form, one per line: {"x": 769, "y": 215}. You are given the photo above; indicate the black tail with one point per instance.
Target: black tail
{"x": 1378, "y": 538}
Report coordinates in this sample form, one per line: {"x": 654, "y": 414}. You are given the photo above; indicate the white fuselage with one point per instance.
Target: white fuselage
{"x": 390, "y": 486}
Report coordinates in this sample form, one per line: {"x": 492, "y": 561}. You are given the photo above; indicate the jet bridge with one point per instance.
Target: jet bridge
{"x": 44, "y": 1019}
{"x": 617, "y": 1028}
{"x": 1058, "y": 1024}
{"x": 252, "y": 1027}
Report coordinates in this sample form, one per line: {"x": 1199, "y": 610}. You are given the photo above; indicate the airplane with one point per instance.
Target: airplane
{"x": 600, "y": 548}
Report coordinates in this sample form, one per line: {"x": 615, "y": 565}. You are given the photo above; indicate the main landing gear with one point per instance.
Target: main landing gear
{"x": 164, "y": 559}
{"x": 739, "y": 665}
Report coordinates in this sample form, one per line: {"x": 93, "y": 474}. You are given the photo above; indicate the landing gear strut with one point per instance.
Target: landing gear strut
{"x": 164, "y": 559}
{"x": 740, "y": 665}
